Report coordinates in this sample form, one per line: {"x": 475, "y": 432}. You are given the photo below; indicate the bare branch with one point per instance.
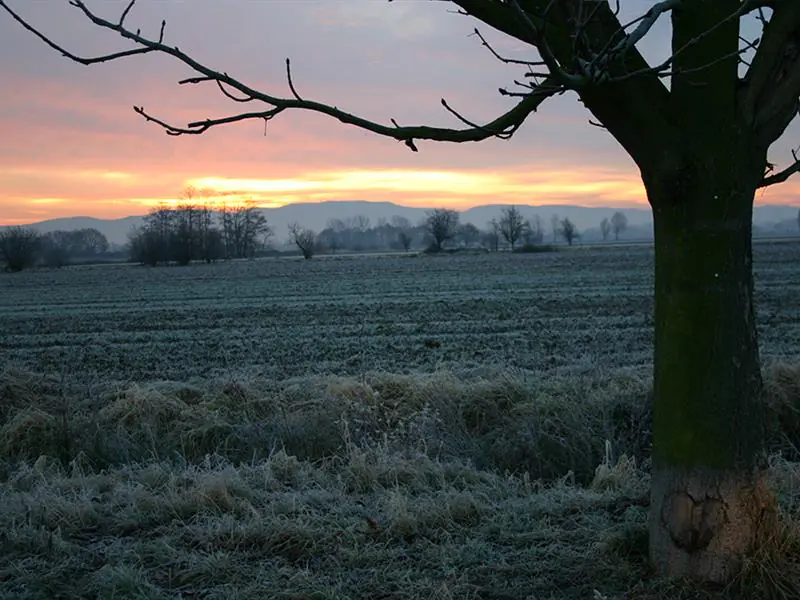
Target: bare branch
{"x": 768, "y": 98}
{"x": 759, "y": 5}
{"x": 502, "y": 127}
{"x": 662, "y": 69}
{"x": 126, "y": 11}
{"x": 289, "y": 79}
{"x": 538, "y": 34}
{"x": 508, "y": 61}
{"x": 505, "y": 135}
{"x": 645, "y": 25}
{"x": 226, "y": 93}
{"x": 198, "y": 127}
{"x": 626, "y": 107}
{"x": 66, "y": 53}
{"x": 783, "y": 175}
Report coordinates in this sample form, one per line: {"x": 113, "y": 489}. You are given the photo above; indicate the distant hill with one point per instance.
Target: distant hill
{"x": 768, "y": 220}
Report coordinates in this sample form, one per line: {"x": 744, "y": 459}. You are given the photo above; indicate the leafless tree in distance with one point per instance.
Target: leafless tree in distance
{"x": 534, "y": 232}
{"x": 699, "y": 125}
{"x": 619, "y": 223}
{"x": 512, "y": 225}
{"x": 442, "y": 226}
{"x": 19, "y": 247}
{"x": 468, "y": 234}
{"x": 403, "y": 227}
{"x": 568, "y": 231}
{"x": 304, "y": 239}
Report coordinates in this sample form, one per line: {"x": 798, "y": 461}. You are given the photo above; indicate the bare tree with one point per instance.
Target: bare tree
{"x": 359, "y": 223}
{"x": 403, "y": 227}
{"x": 442, "y": 225}
{"x": 619, "y": 223}
{"x": 404, "y": 237}
{"x": 304, "y": 239}
{"x": 144, "y": 246}
{"x": 468, "y": 234}
{"x": 568, "y": 231}
{"x": 512, "y": 225}
{"x": 60, "y": 248}
{"x": 19, "y": 247}
{"x": 605, "y": 228}
{"x": 332, "y": 239}
{"x": 256, "y": 231}
{"x": 698, "y": 125}
{"x": 205, "y": 240}
{"x": 158, "y": 225}
{"x": 55, "y": 249}
{"x": 209, "y": 236}
{"x": 184, "y": 244}
{"x": 244, "y": 229}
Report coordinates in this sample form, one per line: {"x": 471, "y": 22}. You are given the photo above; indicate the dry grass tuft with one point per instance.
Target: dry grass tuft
{"x": 482, "y": 485}
{"x": 782, "y": 386}
{"x": 30, "y": 433}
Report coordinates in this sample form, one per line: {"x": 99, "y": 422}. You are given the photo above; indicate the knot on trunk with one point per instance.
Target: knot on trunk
{"x": 693, "y": 523}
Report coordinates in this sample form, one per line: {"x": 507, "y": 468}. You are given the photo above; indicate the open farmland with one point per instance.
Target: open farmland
{"x": 393, "y": 427}
{"x": 568, "y": 311}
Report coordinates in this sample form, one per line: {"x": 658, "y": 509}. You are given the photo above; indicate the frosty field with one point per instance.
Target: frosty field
{"x": 385, "y": 427}
{"x": 566, "y": 312}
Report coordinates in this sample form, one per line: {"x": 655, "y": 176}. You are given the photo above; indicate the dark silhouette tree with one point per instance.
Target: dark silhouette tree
{"x": 304, "y": 239}
{"x": 534, "y": 232}
{"x": 568, "y": 231}
{"x": 145, "y": 247}
{"x": 442, "y": 226}
{"x": 619, "y": 223}
{"x": 60, "y": 248}
{"x": 698, "y": 125}
{"x": 184, "y": 237}
{"x": 19, "y": 247}
{"x": 468, "y": 234}
{"x": 512, "y": 225}
{"x": 403, "y": 227}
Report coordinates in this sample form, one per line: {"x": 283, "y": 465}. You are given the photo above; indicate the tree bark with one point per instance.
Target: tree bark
{"x": 709, "y": 501}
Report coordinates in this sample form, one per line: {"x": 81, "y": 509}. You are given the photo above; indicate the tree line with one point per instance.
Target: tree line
{"x": 23, "y": 247}
{"x": 192, "y": 232}
{"x": 439, "y": 230}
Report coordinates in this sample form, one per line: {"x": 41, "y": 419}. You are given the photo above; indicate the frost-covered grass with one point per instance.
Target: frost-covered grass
{"x": 384, "y": 486}
{"x": 281, "y": 429}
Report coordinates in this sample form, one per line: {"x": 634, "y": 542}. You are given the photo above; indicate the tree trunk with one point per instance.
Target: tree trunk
{"x": 709, "y": 501}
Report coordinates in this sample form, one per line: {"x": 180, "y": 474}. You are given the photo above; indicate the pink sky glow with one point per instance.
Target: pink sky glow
{"x": 70, "y": 143}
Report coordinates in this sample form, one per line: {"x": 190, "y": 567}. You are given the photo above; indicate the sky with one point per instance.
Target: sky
{"x": 70, "y": 143}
